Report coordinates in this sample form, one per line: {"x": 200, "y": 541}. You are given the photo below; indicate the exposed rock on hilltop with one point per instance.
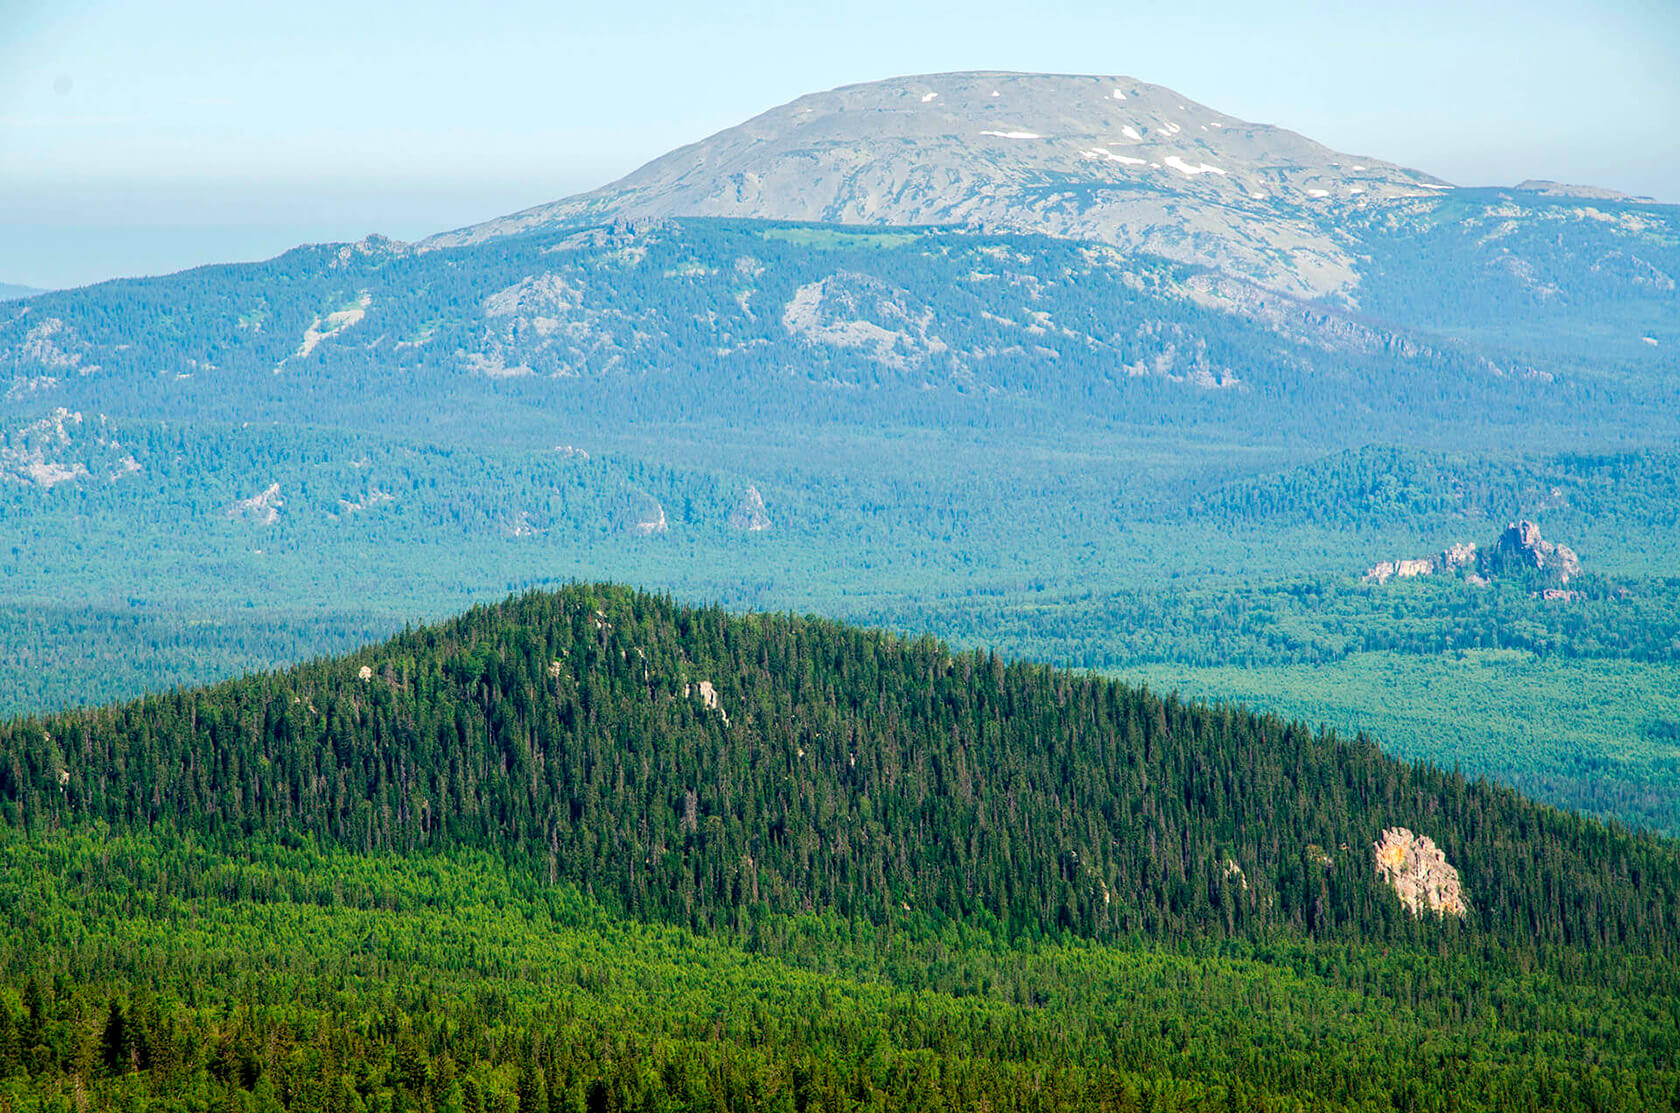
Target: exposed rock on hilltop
{"x": 1519, "y": 550}
{"x": 1419, "y": 873}
{"x": 1452, "y": 558}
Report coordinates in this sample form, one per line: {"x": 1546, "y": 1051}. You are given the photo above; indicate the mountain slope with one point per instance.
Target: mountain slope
{"x": 449, "y": 982}
{"x": 9, "y": 292}
{"x": 692, "y": 767}
{"x": 798, "y": 319}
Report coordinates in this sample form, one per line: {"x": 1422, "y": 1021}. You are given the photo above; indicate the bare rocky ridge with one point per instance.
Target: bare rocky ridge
{"x": 1110, "y": 159}
{"x": 1519, "y": 549}
{"x": 1419, "y": 873}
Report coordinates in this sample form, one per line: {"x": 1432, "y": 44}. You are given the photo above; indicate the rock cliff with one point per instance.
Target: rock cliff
{"x": 1419, "y": 873}
{"x": 1521, "y": 549}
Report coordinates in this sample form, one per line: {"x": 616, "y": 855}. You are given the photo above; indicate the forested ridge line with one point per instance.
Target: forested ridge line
{"x": 686, "y": 765}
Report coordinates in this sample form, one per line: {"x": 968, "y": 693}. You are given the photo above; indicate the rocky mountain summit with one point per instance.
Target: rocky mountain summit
{"x": 1139, "y": 167}
{"x": 1519, "y": 550}
{"x": 1109, "y": 159}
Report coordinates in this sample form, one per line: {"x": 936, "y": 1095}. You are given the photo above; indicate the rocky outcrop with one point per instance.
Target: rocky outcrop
{"x": 862, "y": 314}
{"x": 332, "y": 325}
{"x": 651, "y": 521}
{"x": 1450, "y": 559}
{"x": 1419, "y": 873}
{"x": 63, "y": 447}
{"x": 262, "y": 508}
{"x": 1387, "y": 570}
{"x": 749, "y": 515}
{"x": 1521, "y": 549}
{"x": 1461, "y": 555}
{"x": 708, "y": 694}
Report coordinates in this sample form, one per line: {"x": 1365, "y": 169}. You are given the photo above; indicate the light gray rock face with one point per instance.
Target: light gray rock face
{"x": 1110, "y": 159}
{"x": 63, "y": 447}
{"x": 750, "y": 515}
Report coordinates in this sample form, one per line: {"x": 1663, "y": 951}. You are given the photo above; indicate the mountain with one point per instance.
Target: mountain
{"x": 593, "y": 843}
{"x": 1111, "y": 160}
{"x": 13, "y": 293}
{"x": 1565, "y": 300}
{"x": 795, "y": 317}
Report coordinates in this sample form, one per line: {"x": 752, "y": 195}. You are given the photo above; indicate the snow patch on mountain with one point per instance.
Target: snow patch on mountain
{"x": 1110, "y": 156}
{"x": 1189, "y": 170}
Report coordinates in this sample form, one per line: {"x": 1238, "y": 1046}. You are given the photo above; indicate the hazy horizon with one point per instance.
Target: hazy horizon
{"x": 146, "y": 142}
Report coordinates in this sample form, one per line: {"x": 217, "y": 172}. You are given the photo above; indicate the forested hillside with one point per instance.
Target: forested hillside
{"x": 694, "y": 767}
{"x": 430, "y": 875}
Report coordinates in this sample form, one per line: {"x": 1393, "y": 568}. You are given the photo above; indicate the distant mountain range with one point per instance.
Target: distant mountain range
{"x": 1555, "y": 296}
{"x": 8, "y": 292}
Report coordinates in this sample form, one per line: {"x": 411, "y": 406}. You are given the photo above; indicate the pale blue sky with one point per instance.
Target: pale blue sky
{"x": 143, "y": 137}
